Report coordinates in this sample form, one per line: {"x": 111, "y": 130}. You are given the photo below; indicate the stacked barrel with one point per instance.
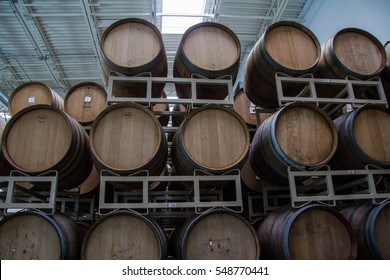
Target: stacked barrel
{"x": 81, "y": 136}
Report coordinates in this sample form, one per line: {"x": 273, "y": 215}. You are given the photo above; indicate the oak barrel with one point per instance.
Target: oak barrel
{"x": 41, "y": 138}
{"x": 33, "y": 93}
{"x": 126, "y": 138}
{"x": 247, "y": 110}
{"x": 212, "y": 138}
{"x": 286, "y": 47}
{"x": 371, "y": 224}
{"x": 35, "y": 235}
{"x": 363, "y": 138}
{"x": 124, "y": 235}
{"x": 90, "y": 184}
{"x": 85, "y": 101}
{"x": 299, "y": 135}
{"x": 5, "y": 168}
{"x": 209, "y": 50}
{"x": 217, "y": 234}
{"x": 312, "y": 232}
{"x": 385, "y": 75}
{"x": 162, "y": 107}
{"x": 134, "y": 46}
{"x": 351, "y": 52}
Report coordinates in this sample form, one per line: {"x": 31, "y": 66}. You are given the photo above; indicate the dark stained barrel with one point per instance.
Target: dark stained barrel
{"x": 299, "y": 135}
{"x": 286, "y": 47}
{"x": 33, "y": 93}
{"x": 209, "y": 50}
{"x": 312, "y": 232}
{"x": 124, "y": 235}
{"x": 371, "y": 224}
{"x": 41, "y": 138}
{"x": 217, "y": 234}
{"x": 38, "y": 236}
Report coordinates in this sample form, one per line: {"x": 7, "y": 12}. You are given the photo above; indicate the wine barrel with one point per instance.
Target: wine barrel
{"x": 385, "y": 75}
{"x": 351, "y": 52}
{"x": 212, "y": 138}
{"x": 41, "y": 138}
{"x": 363, "y": 138}
{"x": 85, "y": 101}
{"x": 249, "y": 180}
{"x": 162, "y": 107}
{"x": 218, "y": 234}
{"x": 33, "y": 93}
{"x": 38, "y": 236}
{"x": 246, "y": 110}
{"x": 286, "y": 47}
{"x": 126, "y": 138}
{"x": 124, "y": 235}
{"x": 371, "y": 224}
{"x": 90, "y": 184}
{"x": 133, "y": 46}
{"x": 5, "y": 168}
{"x": 209, "y": 50}
{"x": 299, "y": 135}
{"x": 312, "y": 232}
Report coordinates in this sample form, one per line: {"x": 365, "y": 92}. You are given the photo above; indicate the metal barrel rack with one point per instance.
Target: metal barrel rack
{"x": 324, "y": 187}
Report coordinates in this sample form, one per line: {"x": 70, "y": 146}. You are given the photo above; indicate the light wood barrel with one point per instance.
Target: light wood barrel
{"x": 217, "y": 234}
{"x": 161, "y": 107}
{"x": 133, "y": 46}
{"x": 385, "y": 75}
{"x": 5, "y": 168}
{"x": 126, "y": 138}
{"x": 210, "y": 50}
{"x": 41, "y": 138}
{"x": 85, "y": 101}
{"x": 35, "y": 235}
{"x": 364, "y": 135}
{"x": 246, "y": 110}
{"x": 286, "y": 47}
{"x": 212, "y": 138}
{"x": 312, "y": 232}
{"x": 371, "y": 224}
{"x": 90, "y": 184}
{"x": 33, "y": 93}
{"x": 351, "y": 52}
{"x": 299, "y": 135}
{"x": 124, "y": 235}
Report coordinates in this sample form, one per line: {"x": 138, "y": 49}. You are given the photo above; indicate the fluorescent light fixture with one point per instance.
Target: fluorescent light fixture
{"x": 179, "y": 15}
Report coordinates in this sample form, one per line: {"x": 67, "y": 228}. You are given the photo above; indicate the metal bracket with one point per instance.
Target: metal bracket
{"x": 146, "y": 196}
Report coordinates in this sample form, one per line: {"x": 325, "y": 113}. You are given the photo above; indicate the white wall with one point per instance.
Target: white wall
{"x": 326, "y": 17}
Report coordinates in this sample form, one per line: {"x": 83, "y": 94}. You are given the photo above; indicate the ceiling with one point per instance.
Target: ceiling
{"x": 57, "y": 42}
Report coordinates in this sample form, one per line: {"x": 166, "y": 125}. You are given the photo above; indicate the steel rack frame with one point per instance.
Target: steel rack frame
{"x": 20, "y": 198}
{"x": 345, "y": 96}
{"x": 146, "y": 195}
{"x": 325, "y": 191}
{"x": 193, "y": 81}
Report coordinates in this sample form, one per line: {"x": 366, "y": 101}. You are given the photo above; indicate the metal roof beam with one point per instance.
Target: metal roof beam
{"x": 93, "y": 34}
{"x": 33, "y": 41}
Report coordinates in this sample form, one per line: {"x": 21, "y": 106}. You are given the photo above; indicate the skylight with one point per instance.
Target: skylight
{"x": 190, "y": 12}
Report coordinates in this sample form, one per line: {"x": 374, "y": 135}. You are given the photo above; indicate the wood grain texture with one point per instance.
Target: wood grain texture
{"x": 358, "y": 52}
{"x": 211, "y": 48}
{"x": 126, "y": 138}
{"x": 291, "y": 47}
{"x": 85, "y": 101}
{"x": 33, "y": 93}
{"x": 131, "y": 44}
{"x": 381, "y": 232}
{"x": 38, "y": 140}
{"x": 319, "y": 235}
{"x": 372, "y": 134}
{"x": 215, "y": 138}
{"x": 122, "y": 237}
{"x": 304, "y": 135}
